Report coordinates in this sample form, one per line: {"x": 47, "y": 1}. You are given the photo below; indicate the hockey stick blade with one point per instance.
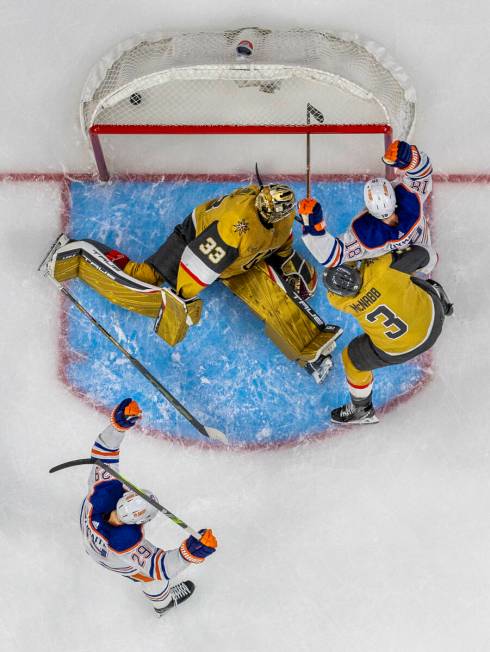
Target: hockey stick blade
{"x": 214, "y": 433}
{"x": 66, "y": 465}
{"x": 316, "y": 113}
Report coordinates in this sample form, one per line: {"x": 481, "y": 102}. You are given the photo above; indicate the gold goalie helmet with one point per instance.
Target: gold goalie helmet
{"x": 275, "y": 202}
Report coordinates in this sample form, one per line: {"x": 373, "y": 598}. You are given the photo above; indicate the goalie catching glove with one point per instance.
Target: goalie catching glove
{"x": 196, "y": 550}
{"x": 296, "y": 272}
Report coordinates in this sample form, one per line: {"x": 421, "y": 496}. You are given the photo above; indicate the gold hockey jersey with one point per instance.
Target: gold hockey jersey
{"x": 395, "y": 313}
{"x": 230, "y": 239}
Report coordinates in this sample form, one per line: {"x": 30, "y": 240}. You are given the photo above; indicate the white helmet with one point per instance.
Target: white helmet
{"x": 379, "y": 198}
{"x": 133, "y": 509}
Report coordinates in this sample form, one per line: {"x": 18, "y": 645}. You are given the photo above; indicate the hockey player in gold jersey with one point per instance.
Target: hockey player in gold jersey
{"x": 245, "y": 240}
{"x": 401, "y": 316}
{"x": 223, "y": 238}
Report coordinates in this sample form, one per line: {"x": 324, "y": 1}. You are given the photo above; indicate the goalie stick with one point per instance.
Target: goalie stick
{"x": 207, "y": 431}
{"x": 305, "y": 307}
{"x": 130, "y": 485}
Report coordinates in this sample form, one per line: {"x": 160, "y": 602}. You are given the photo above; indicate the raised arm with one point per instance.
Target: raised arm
{"x": 106, "y": 446}
{"x": 414, "y": 163}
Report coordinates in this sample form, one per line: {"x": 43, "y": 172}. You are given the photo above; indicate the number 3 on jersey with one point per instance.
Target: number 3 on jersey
{"x": 211, "y": 250}
{"x": 390, "y": 320}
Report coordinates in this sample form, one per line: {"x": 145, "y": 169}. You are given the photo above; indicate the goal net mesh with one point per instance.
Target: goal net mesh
{"x": 204, "y": 79}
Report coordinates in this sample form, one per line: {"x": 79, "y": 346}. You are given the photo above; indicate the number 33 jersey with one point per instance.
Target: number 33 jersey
{"x": 230, "y": 239}
{"x": 395, "y": 313}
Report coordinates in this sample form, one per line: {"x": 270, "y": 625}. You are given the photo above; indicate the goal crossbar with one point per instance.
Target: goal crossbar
{"x": 98, "y": 130}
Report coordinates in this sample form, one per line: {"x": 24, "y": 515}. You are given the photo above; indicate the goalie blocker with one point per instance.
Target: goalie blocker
{"x": 289, "y": 321}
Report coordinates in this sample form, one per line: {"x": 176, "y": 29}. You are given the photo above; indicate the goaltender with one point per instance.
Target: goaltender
{"x": 245, "y": 240}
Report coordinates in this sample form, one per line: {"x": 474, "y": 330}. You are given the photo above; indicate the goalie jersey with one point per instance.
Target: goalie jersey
{"x": 369, "y": 237}
{"x": 222, "y": 238}
{"x": 122, "y": 549}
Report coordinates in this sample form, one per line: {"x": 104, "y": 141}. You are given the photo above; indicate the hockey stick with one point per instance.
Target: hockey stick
{"x": 319, "y": 117}
{"x": 127, "y": 483}
{"x": 305, "y": 307}
{"x": 207, "y": 431}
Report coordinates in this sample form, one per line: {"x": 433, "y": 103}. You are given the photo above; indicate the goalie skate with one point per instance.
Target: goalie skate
{"x": 180, "y": 593}
{"x": 320, "y": 368}
{"x": 322, "y": 363}
{"x": 47, "y": 266}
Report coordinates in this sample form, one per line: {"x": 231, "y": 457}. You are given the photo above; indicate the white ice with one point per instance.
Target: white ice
{"x": 373, "y": 541}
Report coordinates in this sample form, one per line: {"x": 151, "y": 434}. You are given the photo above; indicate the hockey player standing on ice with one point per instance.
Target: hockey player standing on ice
{"x": 401, "y": 316}
{"x": 112, "y": 519}
{"x": 245, "y": 240}
{"x": 393, "y": 218}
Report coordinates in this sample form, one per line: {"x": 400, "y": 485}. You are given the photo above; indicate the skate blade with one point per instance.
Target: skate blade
{"x": 361, "y": 422}
{"x": 45, "y": 268}
{"x": 320, "y": 376}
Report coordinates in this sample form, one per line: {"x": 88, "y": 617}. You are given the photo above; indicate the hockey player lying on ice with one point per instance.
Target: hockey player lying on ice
{"x": 245, "y": 240}
{"x": 393, "y": 219}
{"x": 401, "y": 317}
{"x": 112, "y": 519}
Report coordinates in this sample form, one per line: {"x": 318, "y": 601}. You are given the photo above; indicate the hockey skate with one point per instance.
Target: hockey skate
{"x": 180, "y": 593}
{"x": 320, "y": 368}
{"x": 355, "y": 414}
{"x": 322, "y": 363}
{"x": 47, "y": 266}
{"x": 447, "y": 306}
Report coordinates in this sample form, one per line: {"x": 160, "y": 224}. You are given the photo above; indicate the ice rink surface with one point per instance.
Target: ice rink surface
{"x": 373, "y": 541}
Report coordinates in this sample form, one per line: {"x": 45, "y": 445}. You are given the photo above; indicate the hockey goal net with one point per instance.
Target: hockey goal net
{"x": 245, "y": 81}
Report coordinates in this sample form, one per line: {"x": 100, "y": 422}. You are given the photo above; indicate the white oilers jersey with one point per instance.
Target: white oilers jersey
{"x": 369, "y": 237}
{"x": 122, "y": 549}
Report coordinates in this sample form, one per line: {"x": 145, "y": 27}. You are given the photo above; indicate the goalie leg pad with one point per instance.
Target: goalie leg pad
{"x": 86, "y": 260}
{"x": 285, "y": 323}
{"x": 176, "y": 316}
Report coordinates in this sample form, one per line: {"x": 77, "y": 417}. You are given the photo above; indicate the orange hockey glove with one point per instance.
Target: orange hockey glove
{"x": 401, "y": 155}
{"x": 196, "y": 550}
{"x": 125, "y": 415}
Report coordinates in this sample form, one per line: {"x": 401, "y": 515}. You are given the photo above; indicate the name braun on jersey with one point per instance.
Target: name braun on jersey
{"x": 367, "y": 300}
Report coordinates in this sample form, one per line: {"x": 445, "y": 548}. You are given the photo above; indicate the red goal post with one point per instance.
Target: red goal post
{"x": 207, "y": 83}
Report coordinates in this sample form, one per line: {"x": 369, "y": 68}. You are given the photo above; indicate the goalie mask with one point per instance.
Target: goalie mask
{"x": 343, "y": 280}
{"x": 379, "y": 198}
{"x": 275, "y": 202}
{"x": 132, "y": 509}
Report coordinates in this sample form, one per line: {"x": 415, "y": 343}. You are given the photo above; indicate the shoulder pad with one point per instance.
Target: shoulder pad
{"x": 370, "y": 231}
{"x": 125, "y": 537}
{"x": 105, "y": 495}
